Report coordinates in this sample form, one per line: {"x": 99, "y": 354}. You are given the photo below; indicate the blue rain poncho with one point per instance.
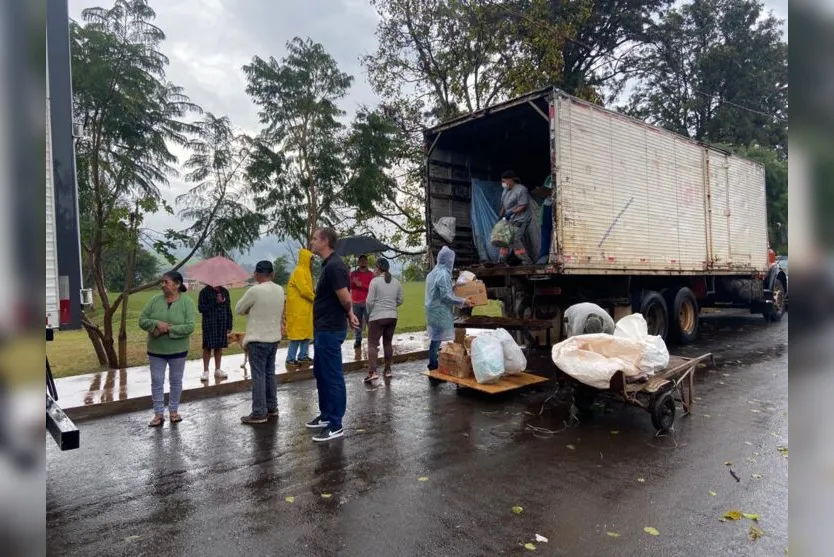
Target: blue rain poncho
{"x": 440, "y": 321}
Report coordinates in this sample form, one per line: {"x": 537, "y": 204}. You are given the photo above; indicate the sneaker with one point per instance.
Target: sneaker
{"x": 291, "y": 365}
{"x": 272, "y": 413}
{"x": 305, "y": 360}
{"x": 317, "y": 423}
{"x": 251, "y": 420}
{"x": 205, "y": 376}
{"x": 220, "y": 374}
{"x": 327, "y": 434}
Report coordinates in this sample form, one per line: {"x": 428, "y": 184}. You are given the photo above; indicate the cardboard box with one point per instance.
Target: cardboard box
{"x": 454, "y": 361}
{"x": 475, "y": 289}
{"x": 460, "y": 335}
{"x": 467, "y": 343}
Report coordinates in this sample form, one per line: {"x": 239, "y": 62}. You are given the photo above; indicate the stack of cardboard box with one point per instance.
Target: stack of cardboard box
{"x": 454, "y": 357}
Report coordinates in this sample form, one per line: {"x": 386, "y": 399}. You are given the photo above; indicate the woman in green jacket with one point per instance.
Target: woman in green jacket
{"x": 169, "y": 320}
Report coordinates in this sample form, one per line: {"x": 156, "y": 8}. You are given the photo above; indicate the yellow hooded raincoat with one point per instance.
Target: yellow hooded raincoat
{"x": 300, "y": 294}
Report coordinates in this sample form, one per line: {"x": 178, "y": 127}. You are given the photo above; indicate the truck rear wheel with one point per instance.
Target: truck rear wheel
{"x": 655, "y": 311}
{"x": 777, "y": 306}
{"x": 684, "y": 316}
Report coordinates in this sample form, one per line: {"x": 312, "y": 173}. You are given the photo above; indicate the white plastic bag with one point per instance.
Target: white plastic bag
{"x": 487, "y": 359}
{"x": 655, "y": 354}
{"x": 445, "y": 227}
{"x": 594, "y": 359}
{"x": 465, "y": 276}
{"x": 515, "y": 361}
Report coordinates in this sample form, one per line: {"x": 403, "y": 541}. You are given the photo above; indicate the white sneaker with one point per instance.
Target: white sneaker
{"x": 205, "y": 376}
{"x": 220, "y": 374}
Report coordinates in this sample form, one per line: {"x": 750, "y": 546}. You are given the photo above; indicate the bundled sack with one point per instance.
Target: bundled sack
{"x": 502, "y": 234}
{"x": 515, "y": 362}
{"x": 594, "y": 359}
{"x": 445, "y": 228}
{"x": 655, "y": 355}
{"x": 465, "y": 276}
{"x": 487, "y": 359}
{"x": 587, "y": 318}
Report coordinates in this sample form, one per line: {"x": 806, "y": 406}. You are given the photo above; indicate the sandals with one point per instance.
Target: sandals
{"x": 157, "y": 421}
{"x": 388, "y": 374}
{"x": 371, "y": 377}
{"x": 175, "y": 418}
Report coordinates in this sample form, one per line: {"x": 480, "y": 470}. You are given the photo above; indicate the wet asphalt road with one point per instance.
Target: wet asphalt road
{"x": 431, "y": 471}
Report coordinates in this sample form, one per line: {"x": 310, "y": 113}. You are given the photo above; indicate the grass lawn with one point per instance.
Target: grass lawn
{"x": 72, "y": 354}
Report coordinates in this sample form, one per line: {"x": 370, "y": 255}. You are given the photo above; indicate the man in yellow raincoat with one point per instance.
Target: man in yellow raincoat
{"x": 300, "y": 295}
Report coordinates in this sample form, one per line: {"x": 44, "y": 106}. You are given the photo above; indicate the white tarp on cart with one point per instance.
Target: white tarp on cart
{"x": 594, "y": 359}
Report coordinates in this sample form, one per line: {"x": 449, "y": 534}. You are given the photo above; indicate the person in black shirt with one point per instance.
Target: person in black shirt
{"x": 332, "y": 314}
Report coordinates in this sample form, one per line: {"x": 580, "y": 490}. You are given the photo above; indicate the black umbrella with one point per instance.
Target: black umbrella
{"x": 359, "y": 245}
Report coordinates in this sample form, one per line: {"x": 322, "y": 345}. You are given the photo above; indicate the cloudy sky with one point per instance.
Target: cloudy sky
{"x": 208, "y": 41}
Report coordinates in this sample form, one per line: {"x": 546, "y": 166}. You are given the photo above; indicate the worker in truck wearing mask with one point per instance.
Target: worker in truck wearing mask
{"x": 515, "y": 208}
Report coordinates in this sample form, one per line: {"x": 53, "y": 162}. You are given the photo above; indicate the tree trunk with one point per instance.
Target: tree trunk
{"x": 107, "y": 340}
{"x": 129, "y": 273}
{"x": 95, "y": 339}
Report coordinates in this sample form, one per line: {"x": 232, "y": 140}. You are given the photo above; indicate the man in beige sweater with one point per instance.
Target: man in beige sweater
{"x": 263, "y": 304}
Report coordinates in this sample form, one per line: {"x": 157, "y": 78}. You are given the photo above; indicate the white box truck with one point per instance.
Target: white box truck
{"x": 643, "y": 219}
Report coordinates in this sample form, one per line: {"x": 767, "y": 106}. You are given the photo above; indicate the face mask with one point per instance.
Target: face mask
{"x": 503, "y": 185}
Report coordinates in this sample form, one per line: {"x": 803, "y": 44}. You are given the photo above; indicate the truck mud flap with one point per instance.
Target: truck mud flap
{"x": 63, "y": 431}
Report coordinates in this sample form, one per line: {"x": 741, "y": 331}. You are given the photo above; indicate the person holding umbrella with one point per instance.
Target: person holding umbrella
{"x": 216, "y": 309}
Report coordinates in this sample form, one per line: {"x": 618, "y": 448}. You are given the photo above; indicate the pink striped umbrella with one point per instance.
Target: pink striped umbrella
{"x": 217, "y": 271}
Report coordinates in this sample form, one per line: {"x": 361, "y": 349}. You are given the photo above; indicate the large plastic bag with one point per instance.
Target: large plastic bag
{"x": 445, "y": 227}
{"x": 587, "y": 318}
{"x": 515, "y": 362}
{"x": 487, "y": 359}
{"x": 655, "y": 354}
{"x": 594, "y": 359}
{"x": 502, "y": 234}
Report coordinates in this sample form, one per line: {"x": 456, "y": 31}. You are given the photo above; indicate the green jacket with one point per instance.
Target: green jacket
{"x": 180, "y": 316}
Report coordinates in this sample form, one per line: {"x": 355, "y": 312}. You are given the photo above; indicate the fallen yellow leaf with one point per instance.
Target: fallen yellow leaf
{"x": 751, "y": 516}
{"x": 289, "y": 499}
{"x": 518, "y": 510}
{"x": 652, "y": 531}
{"x": 571, "y": 447}
{"x": 530, "y": 546}
{"x": 613, "y": 534}
{"x": 783, "y": 451}
{"x": 360, "y": 431}
{"x": 614, "y": 432}
{"x": 641, "y": 480}
{"x": 326, "y": 495}
{"x": 728, "y": 463}
{"x": 707, "y": 416}
{"x": 423, "y": 479}
{"x": 732, "y": 515}
{"x": 755, "y": 533}
{"x": 712, "y": 493}
{"x": 756, "y": 476}
{"x": 132, "y": 538}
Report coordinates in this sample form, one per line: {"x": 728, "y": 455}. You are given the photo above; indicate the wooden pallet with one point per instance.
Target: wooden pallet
{"x": 507, "y": 383}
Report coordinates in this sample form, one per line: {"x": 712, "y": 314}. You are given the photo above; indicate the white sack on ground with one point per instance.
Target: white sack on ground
{"x": 577, "y": 320}
{"x": 594, "y": 359}
{"x": 656, "y": 355}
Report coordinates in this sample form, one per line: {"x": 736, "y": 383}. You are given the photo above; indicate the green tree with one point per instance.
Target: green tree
{"x": 716, "y": 71}
{"x": 308, "y": 169}
{"x": 132, "y": 116}
{"x": 145, "y": 268}
{"x": 282, "y": 269}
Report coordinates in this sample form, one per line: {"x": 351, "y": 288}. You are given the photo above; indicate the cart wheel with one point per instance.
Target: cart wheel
{"x": 434, "y": 382}
{"x": 663, "y": 411}
{"x": 583, "y": 398}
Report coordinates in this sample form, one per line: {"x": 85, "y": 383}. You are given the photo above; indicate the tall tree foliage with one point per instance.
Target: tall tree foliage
{"x": 132, "y": 116}
{"x": 308, "y": 169}
{"x": 716, "y": 71}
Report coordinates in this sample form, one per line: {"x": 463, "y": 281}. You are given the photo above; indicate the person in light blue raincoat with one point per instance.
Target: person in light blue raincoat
{"x": 439, "y": 303}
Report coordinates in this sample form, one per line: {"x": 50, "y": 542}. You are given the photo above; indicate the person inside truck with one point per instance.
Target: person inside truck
{"x": 515, "y": 208}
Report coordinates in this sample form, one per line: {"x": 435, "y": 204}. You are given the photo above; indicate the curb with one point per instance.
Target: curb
{"x": 82, "y": 413}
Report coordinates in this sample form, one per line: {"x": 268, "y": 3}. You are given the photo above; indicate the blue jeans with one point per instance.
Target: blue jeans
{"x": 176, "y": 367}
{"x": 434, "y": 350}
{"x": 298, "y": 347}
{"x": 330, "y": 377}
{"x": 264, "y": 386}
{"x": 361, "y": 313}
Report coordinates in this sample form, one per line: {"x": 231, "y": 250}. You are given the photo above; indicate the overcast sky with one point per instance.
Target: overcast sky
{"x": 208, "y": 41}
